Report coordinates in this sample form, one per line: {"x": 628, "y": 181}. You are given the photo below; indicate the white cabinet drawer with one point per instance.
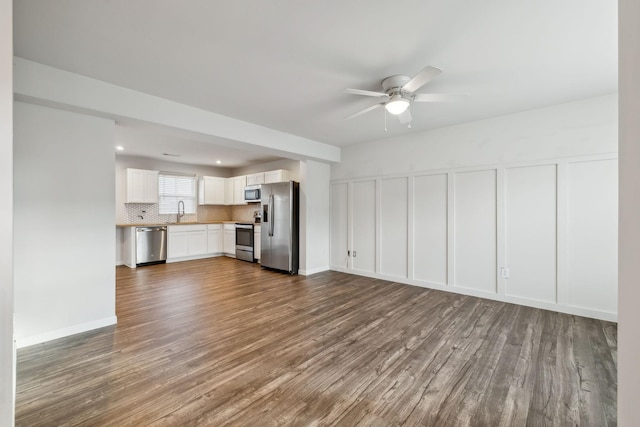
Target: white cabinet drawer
{"x": 187, "y": 227}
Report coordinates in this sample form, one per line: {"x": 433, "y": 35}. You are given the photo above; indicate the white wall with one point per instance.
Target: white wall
{"x": 578, "y": 128}
{"x": 314, "y": 216}
{"x": 552, "y": 222}
{"x": 7, "y": 350}
{"x": 629, "y": 291}
{"x": 64, "y": 216}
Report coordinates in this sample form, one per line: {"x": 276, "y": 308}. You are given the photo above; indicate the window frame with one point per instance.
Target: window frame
{"x": 168, "y": 200}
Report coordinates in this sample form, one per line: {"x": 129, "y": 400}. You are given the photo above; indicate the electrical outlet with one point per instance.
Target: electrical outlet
{"x": 504, "y": 272}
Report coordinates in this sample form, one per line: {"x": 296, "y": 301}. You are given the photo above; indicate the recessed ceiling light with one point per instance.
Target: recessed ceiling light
{"x": 218, "y": 162}
{"x": 119, "y": 147}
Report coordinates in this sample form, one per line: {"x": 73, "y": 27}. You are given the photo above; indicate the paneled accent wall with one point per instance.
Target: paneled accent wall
{"x": 592, "y": 228}
{"x": 339, "y": 240}
{"x": 394, "y": 210}
{"x": 542, "y": 234}
{"x": 364, "y": 235}
{"x": 430, "y": 207}
{"x": 474, "y": 223}
{"x": 531, "y": 232}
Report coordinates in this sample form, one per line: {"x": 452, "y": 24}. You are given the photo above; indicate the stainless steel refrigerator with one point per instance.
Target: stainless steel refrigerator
{"x": 280, "y": 223}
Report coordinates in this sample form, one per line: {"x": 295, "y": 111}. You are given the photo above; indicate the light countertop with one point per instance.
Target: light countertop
{"x": 180, "y": 223}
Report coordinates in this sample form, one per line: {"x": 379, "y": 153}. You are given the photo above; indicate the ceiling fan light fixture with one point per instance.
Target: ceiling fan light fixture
{"x": 397, "y": 105}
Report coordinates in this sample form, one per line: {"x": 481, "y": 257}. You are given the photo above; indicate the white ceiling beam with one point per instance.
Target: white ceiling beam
{"x": 40, "y": 83}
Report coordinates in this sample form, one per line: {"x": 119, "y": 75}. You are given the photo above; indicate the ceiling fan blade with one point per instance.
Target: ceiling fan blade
{"x": 422, "y": 78}
{"x": 366, "y": 93}
{"x": 366, "y": 110}
{"x": 405, "y": 117}
{"x": 439, "y": 97}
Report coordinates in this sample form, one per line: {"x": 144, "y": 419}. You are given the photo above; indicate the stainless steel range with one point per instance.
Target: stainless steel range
{"x": 244, "y": 241}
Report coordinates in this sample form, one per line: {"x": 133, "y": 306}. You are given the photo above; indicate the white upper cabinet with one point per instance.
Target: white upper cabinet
{"x": 279, "y": 175}
{"x": 239, "y": 183}
{"x": 228, "y": 191}
{"x": 211, "y": 190}
{"x": 142, "y": 186}
{"x": 234, "y": 190}
{"x": 255, "y": 179}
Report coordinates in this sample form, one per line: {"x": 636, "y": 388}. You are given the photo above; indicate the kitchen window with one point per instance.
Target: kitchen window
{"x": 172, "y": 188}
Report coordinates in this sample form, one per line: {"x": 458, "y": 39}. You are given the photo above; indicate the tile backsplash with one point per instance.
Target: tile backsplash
{"x": 148, "y": 213}
{"x": 245, "y": 212}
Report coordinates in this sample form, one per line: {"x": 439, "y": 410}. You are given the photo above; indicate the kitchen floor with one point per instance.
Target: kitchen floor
{"x": 223, "y": 342}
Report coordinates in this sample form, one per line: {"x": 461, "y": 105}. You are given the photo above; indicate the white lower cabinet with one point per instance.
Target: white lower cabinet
{"x": 214, "y": 238}
{"x": 230, "y": 239}
{"x": 177, "y": 244}
{"x": 186, "y": 240}
{"x": 197, "y": 242}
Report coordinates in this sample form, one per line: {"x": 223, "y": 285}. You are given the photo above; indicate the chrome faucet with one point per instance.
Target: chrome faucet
{"x": 180, "y": 215}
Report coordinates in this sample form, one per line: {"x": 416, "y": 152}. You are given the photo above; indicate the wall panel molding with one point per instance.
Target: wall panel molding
{"x": 494, "y": 196}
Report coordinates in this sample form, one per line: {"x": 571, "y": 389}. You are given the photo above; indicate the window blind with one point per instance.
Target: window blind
{"x": 172, "y": 188}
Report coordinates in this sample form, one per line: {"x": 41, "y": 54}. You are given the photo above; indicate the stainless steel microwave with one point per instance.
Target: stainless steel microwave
{"x": 252, "y": 193}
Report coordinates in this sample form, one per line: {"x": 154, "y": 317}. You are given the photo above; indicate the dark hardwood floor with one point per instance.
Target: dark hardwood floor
{"x": 222, "y": 342}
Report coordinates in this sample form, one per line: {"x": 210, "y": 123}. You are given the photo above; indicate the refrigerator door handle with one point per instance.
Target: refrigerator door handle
{"x": 272, "y": 215}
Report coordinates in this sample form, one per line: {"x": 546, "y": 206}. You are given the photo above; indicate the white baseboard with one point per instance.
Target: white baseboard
{"x": 311, "y": 271}
{"x": 65, "y": 332}
{"x": 193, "y": 257}
{"x": 560, "y": 308}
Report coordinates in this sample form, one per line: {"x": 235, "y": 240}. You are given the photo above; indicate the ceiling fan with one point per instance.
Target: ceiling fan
{"x": 399, "y": 92}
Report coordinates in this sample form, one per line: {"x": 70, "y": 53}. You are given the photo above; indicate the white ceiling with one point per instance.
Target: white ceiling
{"x": 284, "y": 64}
{"x": 179, "y": 146}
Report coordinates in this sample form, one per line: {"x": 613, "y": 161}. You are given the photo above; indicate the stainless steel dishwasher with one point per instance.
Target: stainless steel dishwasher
{"x": 151, "y": 245}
